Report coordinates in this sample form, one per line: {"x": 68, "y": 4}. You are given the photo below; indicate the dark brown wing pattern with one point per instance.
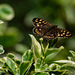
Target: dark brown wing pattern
{"x": 63, "y": 33}
{"x": 57, "y": 32}
{"x": 40, "y": 22}
{"x": 48, "y": 31}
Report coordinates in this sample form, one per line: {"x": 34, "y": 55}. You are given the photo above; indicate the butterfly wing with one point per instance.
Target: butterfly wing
{"x": 63, "y": 33}
{"x": 50, "y": 34}
{"x": 57, "y": 32}
{"x": 40, "y": 30}
{"x": 40, "y": 22}
{"x": 47, "y": 30}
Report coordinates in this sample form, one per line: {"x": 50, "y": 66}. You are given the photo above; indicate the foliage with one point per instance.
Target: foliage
{"x": 6, "y": 12}
{"x": 9, "y": 36}
{"x": 37, "y": 61}
{"x": 70, "y": 62}
{"x": 1, "y": 49}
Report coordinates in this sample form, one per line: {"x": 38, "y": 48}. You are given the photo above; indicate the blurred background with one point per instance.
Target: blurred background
{"x": 17, "y": 16}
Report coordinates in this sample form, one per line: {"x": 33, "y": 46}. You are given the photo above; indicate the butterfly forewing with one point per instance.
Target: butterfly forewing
{"x": 40, "y": 22}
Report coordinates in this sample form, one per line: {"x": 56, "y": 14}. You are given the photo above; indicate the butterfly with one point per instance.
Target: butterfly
{"x": 47, "y": 30}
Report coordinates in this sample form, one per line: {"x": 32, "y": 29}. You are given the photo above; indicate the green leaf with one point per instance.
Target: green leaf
{"x": 46, "y": 48}
{"x": 42, "y": 73}
{"x": 70, "y": 58}
{"x": 36, "y": 47}
{"x": 12, "y": 65}
{"x": 54, "y": 67}
{"x": 37, "y": 65}
{"x": 24, "y": 66}
{"x": 2, "y": 60}
{"x": 1, "y": 22}
{"x": 27, "y": 56}
{"x": 11, "y": 55}
{"x": 73, "y": 53}
{"x": 6, "y": 12}
{"x": 51, "y": 53}
{"x": 1, "y": 49}
{"x": 66, "y": 62}
{"x": 40, "y": 66}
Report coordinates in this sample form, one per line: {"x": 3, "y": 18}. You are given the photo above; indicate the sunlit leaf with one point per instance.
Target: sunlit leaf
{"x": 66, "y": 62}
{"x": 1, "y": 22}
{"x": 40, "y": 66}
{"x": 73, "y": 53}
{"x": 12, "y": 65}
{"x": 36, "y": 47}
{"x": 54, "y": 67}
{"x": 1, "y": 49}
{"x": 27, "y": 56}
{"x": 52, "y": 52}
{"x": 10, "y": 55}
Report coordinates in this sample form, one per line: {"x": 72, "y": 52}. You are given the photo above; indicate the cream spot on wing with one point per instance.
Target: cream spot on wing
{"x": 67, "y": 32}
{"x": 43, "y": 21}
{"x": 61, "y": 34}
{"x": 64, "y": 31}
{"x": 39, "y": 22}
{"x": 37, "y": 32}
{"x": 40, "y": 29}
{"x": 40, "y": 19}
{"x": 58, "y": 34}
{"x": 67, "y": 35}
{"x": 36, "y": 20}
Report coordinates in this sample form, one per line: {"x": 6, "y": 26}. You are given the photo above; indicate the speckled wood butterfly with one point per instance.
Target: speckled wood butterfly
{"x": 48, "y": 31}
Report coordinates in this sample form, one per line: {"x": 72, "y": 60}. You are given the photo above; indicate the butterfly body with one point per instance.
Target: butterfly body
{"x": 47, "y": 30}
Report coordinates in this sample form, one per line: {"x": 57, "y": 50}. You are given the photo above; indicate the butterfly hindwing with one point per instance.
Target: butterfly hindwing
{"x": 44, "y": 30}
{"x": 40, "y": 30}
{"x": 50, "y": 34}
{"x": 63, "y": 33}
